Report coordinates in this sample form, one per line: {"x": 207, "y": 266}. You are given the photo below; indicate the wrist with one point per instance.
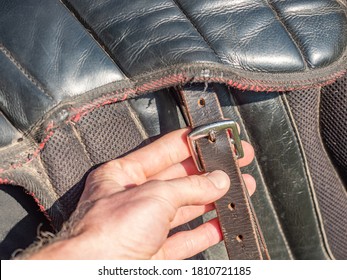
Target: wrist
{"x": 57, "y": 250}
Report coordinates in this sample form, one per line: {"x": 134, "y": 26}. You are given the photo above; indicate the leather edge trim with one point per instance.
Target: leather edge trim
{"x": 170, "y": 77}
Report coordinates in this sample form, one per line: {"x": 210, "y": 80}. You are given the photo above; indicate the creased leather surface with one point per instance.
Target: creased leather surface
{"x": 241, "y": 232}
{"x": 245, "y": 34}
{"x": 52, "y": 51}
{"x": 283, "y": 168}
{"x": 46, "y": 55}
{"x": 7, "y": 131}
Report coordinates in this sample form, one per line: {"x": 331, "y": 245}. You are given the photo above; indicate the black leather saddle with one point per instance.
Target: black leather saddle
{"x": 84, "y": 82}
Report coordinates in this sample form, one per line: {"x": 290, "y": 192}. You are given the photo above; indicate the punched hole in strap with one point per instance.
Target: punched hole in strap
{"x": 231, "y": 206}
{"x": 202, "y": 102}
{"x": 212, "y": 137}
{"x": 239, "y": 238}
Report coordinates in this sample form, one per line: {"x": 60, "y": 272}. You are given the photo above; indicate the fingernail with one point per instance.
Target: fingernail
{"x": 220, "y": 179}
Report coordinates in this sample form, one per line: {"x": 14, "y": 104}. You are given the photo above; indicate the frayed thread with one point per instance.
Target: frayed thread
{"x": 46, "y": 238}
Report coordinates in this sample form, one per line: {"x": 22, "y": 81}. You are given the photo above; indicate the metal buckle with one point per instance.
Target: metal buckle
{"x": 209, "y": 130}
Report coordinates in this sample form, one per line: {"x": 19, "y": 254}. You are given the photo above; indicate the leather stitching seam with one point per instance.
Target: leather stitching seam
{"x": 289, "y": 32}
{"x": 7, "y": 53}
{"x": 197, "y": 29}
{"x": 91, "y": 32}
{"x": 125, "y": 93}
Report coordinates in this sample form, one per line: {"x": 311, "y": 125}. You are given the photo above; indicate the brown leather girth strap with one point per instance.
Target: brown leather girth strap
{"x": 242, "y": 235}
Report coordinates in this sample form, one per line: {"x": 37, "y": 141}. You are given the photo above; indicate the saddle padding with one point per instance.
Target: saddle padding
{"x": 52, "y": 51}
{"x": 64, "y": 62}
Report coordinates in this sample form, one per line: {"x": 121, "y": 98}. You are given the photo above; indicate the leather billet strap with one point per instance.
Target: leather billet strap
{"x": 242, "y": 235}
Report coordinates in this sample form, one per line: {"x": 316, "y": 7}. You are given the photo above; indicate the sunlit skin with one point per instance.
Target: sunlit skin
{"x": 137, "y": 199}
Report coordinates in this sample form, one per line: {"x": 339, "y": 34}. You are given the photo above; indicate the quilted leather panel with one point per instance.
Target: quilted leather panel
{"x": 51, "y": 51}
{"x": 49, "y": 43}
{"x": 313, "y": 24}
{"x": 253, "y": 35}
{"x": 144, "y": 35}
{"x": 245, "y": 34}
{"x": 21, "y": 100}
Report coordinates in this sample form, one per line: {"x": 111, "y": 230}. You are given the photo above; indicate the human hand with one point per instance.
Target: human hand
{"x": 131, "y": 203}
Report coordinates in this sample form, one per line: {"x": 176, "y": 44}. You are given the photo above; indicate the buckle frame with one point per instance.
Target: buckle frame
{"x": 209, "y": 131}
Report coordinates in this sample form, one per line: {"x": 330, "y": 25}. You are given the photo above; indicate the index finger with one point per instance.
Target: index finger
{"x": 168, "y": 150}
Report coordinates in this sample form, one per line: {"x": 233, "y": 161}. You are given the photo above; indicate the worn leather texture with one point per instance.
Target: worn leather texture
{"x": 60, "y": 60}
{"x": 51, "y": 51}
{"x": 241, "y": 232}
{"x": 282, "y": 171}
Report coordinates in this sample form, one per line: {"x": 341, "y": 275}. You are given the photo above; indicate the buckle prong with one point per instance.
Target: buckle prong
{"x": 209, "y": 131}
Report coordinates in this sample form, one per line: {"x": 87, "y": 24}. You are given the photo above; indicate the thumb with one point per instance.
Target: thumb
{"x": 190, "y": 190}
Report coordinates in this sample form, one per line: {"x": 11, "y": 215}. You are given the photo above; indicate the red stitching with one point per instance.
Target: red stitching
{"x": 128, "y": 92}
{"x": 41, "y": 207}
{"x": 6, "y": 181}
{"x": 182, "y": 78}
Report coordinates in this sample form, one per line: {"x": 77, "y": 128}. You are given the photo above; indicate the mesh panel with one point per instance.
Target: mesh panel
{"x": 109, "y": 132}
{"x": 66, "y": 163}
{"x": 334, "y": 122}
{"x": 65, "y": 160}
{"x": 104, "y": 134}
{"x": 330, "y": 192}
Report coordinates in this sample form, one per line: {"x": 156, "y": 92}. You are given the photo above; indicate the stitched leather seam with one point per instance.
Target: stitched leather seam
{"x": 91, "y": 32}
{"x": 129, "y": 92}
{"x": 125, "y": 93}
{"x": 7, "y": 53}
{"x": 41, "y": 207}
{"x": 51, "y": 127}
{"x": 183, "y": 75}
{"x": 109, "y": 98}
{"x": 197, "y": 29}
{"x": 290, "y": 33}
